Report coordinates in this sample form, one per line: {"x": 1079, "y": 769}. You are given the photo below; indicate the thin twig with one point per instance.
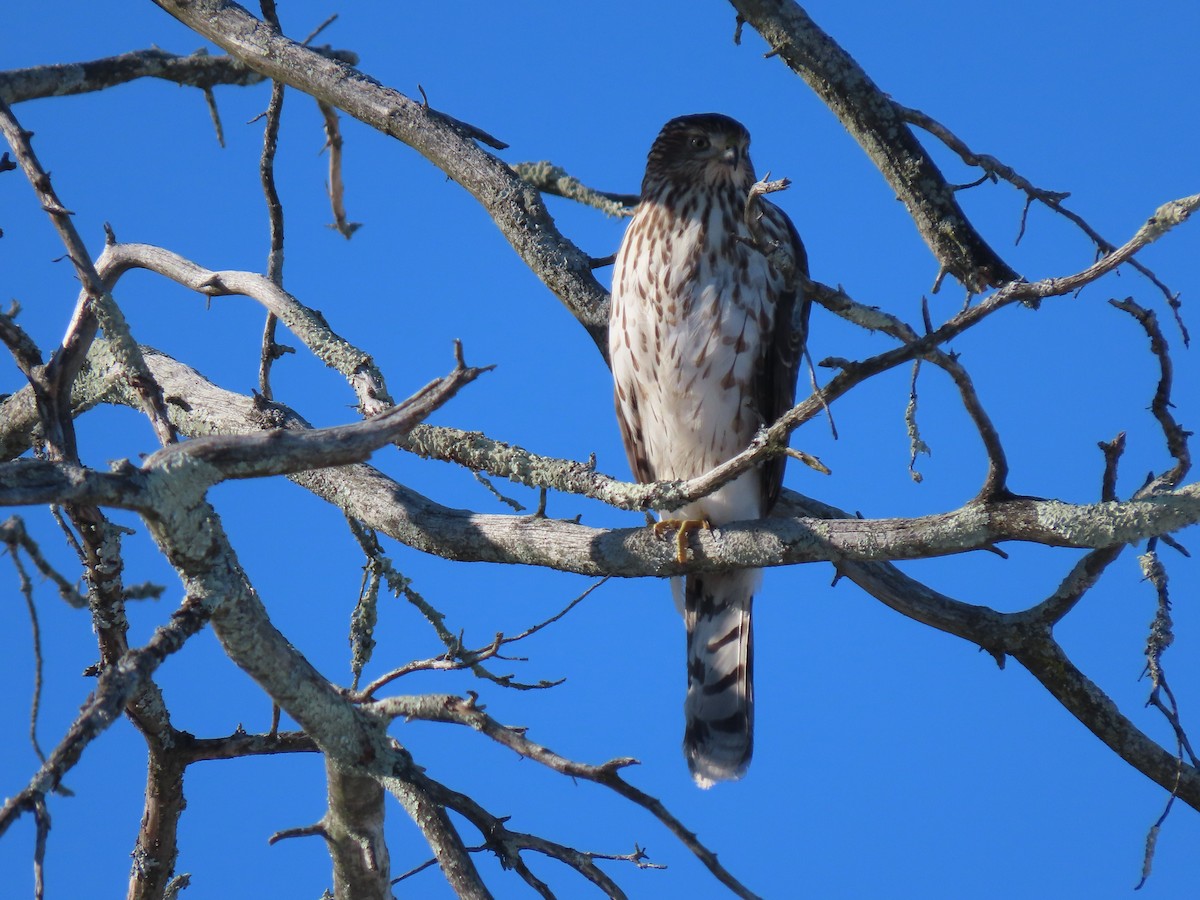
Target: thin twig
{"x": 95, "y": 309}
{"x": 460, "y": 711}
{"x": 1112, "y": 451}
{"x": 916, "y": 445}
{"x": 994, "y": 169}
{"x": 533, "y": 629}
{"x": 457, "y": 656}
{"x": 551, "y": 179}
{"x": 432, "y": 861}
{"x": 508, "y": 845}
{"x": 1175, "y": 436}
{"x": 13, "y": 533}
{"x": 271, "y": 351}
{"x": 512, "y": 504}
{"x": 25, "y": 586}
{"x": 312, "y": 35}
{"x": 210, "y": 102}
{"x": 1152, "y": 838}
{"x": 115, "y": 687}
{"x": 336, "y": 186}
{"x": 315, "y": 830}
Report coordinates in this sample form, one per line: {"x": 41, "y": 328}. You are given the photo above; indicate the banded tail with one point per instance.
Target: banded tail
{"x": 718, "y": 736}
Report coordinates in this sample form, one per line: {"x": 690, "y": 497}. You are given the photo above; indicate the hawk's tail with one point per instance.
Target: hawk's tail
{"x": 719, "y": 711}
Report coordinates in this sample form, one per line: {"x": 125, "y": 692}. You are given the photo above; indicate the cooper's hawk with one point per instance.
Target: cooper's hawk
{"x": 705, "y": 341}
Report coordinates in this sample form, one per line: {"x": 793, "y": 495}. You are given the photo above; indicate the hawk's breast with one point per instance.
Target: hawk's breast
{"x": 693, "y": 311}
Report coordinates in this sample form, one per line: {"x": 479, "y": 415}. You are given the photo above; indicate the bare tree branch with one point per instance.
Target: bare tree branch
{"x": 282, "y": 452}
{"x": 115, "y": 687}
{"x": 456, "y": 710}
{"x": 235, "y": 436}
{"x": 1175, "y": 437}
{"x": 390, "y": 508}
{"x": 872, "y": 119}
{"x": 513, "y": 204}
{"x": 195, "y": 70}
{"x": 96, "y": 308}
{"x": 994, "y": 168}
{"x": 336, "y": 187}
{"x": 13, "y": 533}
{"x": 554, "y": 180}
{"x": 240, "y": 744}
{"x": 1026, "y": 636}
{"x": 307, "y": 324}
{"x": 271, "y": 351}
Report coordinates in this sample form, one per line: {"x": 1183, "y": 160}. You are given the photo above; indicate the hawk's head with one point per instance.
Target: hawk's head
{"x": 705, "y": 150}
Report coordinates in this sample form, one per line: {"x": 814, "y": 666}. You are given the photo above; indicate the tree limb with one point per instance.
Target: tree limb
{"x": 872, "y": 119}
{"x": 115, "y": 687}
{"x": 514, "y": 205}
{"x": 405, "y": 515}
{"x": 197, "y": 69}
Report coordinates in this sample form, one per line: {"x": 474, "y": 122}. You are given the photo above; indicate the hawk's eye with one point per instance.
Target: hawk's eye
{"x": 699, "y": 142}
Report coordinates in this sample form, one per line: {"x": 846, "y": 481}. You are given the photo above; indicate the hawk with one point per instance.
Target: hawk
{"x": 705, "y": 339}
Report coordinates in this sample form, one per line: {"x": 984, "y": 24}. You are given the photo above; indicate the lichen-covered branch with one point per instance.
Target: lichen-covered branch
{"x": 307, "y": 324}
{"x": 283, "y": 451}
{"x": 353, "y": 831}
{"x": 390, "y": 508}
{"x": 95, "y": 309}
{"x": 1028, "y": 638}
{"x": 99, "y": 540}
{"x": 236, "y": 436}
{"x": 551, "y": 179}
{"x": 115, "y": 687}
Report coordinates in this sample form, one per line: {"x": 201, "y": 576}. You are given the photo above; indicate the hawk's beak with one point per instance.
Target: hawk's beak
{"x": 730, "y": 155}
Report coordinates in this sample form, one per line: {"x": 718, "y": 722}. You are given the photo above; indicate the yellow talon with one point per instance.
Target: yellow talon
{"x": 684, "y": 528}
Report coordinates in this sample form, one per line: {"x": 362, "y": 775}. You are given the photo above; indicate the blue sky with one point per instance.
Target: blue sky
{"x": 891, "y": 760}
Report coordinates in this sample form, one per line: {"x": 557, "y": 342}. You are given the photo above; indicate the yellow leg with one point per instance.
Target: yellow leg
{"x": 683, "y": 527}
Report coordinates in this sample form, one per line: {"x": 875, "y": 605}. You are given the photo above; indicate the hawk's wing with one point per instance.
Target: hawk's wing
{"x": 629, "y": 418}
{"x": 775, "y": 385}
